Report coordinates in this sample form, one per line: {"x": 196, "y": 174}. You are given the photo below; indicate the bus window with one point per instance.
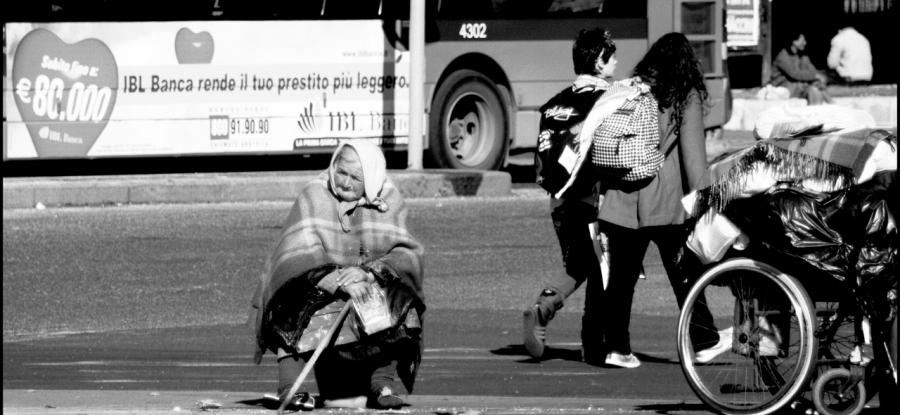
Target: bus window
{"x": 459, "y": 9}
{"x": 701, "y": 23}
{"x": 706, "y": 52}
{"x": 525, "y": 9}
{"x": 521, "y": 8}
{"x": 623, "y": 8}
{"x": 352, "y": 9}
{"x": 585, "y": 7}
{"x": 697, "y": 18}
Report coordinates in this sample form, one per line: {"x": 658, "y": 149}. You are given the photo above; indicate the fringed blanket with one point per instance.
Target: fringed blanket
{"x": 313, "y": 243}
{"x": 836, "y": 158}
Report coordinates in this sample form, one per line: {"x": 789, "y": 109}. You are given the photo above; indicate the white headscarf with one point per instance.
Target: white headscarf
{"x": 374, "y": 169}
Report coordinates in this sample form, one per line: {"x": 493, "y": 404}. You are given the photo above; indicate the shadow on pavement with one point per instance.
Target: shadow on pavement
{"x": 270, "y": 404}
{"x": 652, "y": 359}
{"x": 668, "y": 408}
{"x": 550, "y": 353}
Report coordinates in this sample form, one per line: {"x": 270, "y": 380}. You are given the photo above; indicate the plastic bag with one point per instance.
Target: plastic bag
{"x": 374, "y": 314}
{"x": 851, "y": 232}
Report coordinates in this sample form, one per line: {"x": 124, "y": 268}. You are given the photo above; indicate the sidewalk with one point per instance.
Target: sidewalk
{"x": 70, "y": 402}
{"x": 28, "y": 192}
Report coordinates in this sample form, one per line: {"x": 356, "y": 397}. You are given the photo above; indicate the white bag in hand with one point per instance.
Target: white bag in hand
{"x": 374, "y": 314}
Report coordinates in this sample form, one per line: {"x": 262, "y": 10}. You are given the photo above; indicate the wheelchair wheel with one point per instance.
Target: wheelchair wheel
{"x": 835, "y": 393}
{"x": 766, "y": 325}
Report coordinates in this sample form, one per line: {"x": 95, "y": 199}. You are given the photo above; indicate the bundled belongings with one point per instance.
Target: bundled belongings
{"x": 849, "y": 235}
{"x": 626, "y": 145}
{"x": 821, "y": 163}
{"x": 614, "y": 125}
{"x": 791, "y": 121}
{"x": 823, "y": 201}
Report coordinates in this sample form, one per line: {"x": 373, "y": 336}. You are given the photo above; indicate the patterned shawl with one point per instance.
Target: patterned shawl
{"x": 322, "y": 234}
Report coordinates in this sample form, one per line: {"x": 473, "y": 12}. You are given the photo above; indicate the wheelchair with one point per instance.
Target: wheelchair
{"x": 790, "y": 336}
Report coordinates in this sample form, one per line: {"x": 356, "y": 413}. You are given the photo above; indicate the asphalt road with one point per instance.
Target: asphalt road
{"x": 156, "y": 297}
{"x": 154, "y": 300}
{"x": 145, "y": 267}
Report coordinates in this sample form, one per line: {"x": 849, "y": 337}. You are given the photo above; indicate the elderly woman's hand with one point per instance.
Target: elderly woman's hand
{"x": 354, "y": 275}
{"x": 358, "y": 291}
{"x": 341, "y": 278}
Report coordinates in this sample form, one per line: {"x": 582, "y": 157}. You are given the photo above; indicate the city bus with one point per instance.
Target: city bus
{"x": 94, "y": 79}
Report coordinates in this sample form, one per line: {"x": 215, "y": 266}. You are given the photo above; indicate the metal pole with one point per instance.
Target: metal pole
{"x": 416, "y": 84}
{"x": 312, "y": 360}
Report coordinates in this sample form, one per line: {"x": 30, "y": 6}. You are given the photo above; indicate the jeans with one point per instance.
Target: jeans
{"x": 627, "y": 248}
{"x": 571, "y": 220}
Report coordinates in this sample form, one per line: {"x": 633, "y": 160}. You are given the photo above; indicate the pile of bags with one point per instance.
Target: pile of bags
{"x": 827, "y": 201}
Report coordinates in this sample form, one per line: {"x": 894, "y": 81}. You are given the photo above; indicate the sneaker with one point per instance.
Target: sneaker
{"x": 723, "y": 345}
{"x": 534, "y": 332}
{"x": 387, "y": 399}
{"x": 302, "y": 401}
{"x": 628, "y": 361}
{"x": 768, "y": 346}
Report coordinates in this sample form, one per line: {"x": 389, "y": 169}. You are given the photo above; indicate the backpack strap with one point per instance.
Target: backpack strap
{"x": 669, "y": 147}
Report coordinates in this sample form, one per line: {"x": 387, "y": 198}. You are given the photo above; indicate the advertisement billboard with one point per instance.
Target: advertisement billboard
{"x": 107, "y": 89}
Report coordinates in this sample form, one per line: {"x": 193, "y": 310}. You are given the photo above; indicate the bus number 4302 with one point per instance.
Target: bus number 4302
{"x": 473, "y": 31}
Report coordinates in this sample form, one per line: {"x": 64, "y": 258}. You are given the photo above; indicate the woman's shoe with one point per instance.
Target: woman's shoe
{"x": 628, "y": 361}
{"x": 533, "y": 332}
{"x": 723, "y": 345}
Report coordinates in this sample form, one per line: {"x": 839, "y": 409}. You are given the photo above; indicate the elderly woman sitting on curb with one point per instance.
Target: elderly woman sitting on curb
{"x": 344, "y": 240}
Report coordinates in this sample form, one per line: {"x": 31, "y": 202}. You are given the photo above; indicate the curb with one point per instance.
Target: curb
{"x": 21, "y": 193}
{"x": 182, "y": 402}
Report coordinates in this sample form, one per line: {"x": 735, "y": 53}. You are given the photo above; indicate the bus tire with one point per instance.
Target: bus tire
{"x": 468, "y": 124}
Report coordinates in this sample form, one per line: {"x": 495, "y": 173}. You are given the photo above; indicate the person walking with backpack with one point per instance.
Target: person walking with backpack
{"x": 634, "y": 213}
{"x": 562, "y": 117}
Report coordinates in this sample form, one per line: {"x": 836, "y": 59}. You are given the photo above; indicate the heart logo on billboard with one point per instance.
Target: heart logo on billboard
{"x": 193, "y": 47}
{"x": 65, "y": 92}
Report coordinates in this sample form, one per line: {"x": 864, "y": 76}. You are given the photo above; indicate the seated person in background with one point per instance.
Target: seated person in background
{"x": 850, "y": 58}
{"x": 345, "y": 239}
{"x": 793, "y": 70}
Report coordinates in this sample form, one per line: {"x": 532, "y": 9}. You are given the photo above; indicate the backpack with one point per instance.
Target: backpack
{"x": 561, "y": 119}
{"x": 626, "y": 145}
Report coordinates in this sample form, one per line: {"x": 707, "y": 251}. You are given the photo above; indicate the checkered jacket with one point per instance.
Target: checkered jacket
{"x": 626, "y": 145}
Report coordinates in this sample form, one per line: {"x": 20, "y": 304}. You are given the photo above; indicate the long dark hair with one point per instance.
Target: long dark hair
{"x": 673, "y": 71}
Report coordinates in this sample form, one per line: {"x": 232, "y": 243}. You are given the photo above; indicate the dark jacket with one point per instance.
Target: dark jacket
{"x": 561, "y": 119}
{"x": 792, "y": 67}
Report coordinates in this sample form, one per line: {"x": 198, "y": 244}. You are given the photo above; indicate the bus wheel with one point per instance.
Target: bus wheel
{"x": 468, "y": 124}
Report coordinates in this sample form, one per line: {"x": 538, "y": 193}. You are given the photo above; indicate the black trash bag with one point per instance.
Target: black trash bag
{"x": 867, "y": 223}
{"x": 845, "y": 234}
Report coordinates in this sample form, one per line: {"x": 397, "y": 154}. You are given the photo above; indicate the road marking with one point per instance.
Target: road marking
{"x": 124, "y": 381}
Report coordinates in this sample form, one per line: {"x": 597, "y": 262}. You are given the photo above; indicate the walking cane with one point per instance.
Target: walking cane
{"x": 312, "y": 360}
